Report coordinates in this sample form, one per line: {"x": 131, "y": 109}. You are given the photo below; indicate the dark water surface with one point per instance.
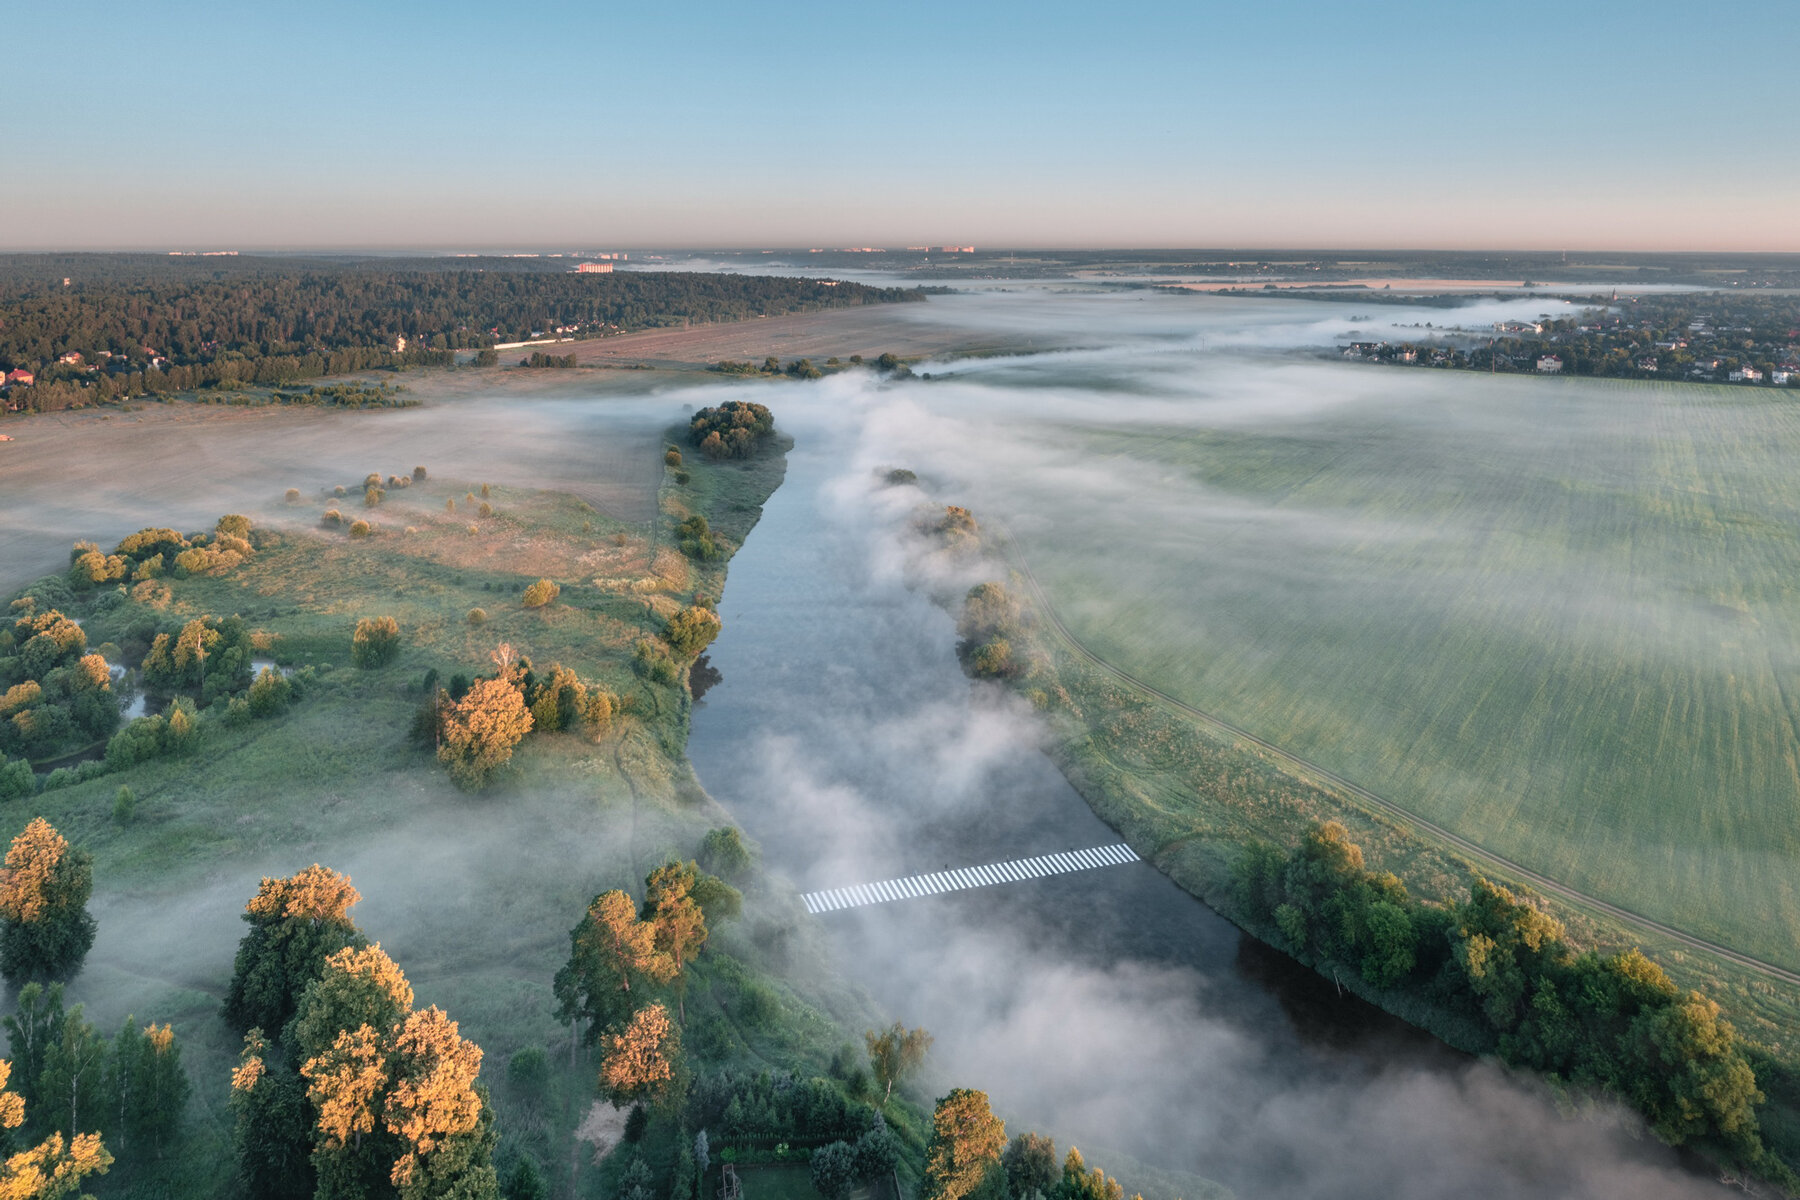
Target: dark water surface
{"x": 1105, "y": 1006}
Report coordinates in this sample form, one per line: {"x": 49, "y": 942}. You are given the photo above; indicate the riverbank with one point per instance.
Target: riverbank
{"x": 472, "y": 894}
{"x": 1192, "y": 795}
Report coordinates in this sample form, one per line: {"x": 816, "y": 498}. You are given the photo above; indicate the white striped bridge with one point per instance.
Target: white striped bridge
{"x": 936, "y": 882}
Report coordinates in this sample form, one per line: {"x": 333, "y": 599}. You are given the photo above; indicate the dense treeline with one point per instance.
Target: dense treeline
{"x": 1614, "y": 1022}
{"x": 157, "y": 333}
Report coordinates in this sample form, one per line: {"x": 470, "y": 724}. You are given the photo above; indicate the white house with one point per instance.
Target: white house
{"x": 1549, "y": 364}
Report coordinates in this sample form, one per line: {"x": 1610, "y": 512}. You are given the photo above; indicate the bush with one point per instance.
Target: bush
{"x": 269, "y": 694}
{"x": 543, "y": 592}
{"x": 478, "y": 616}
{"x": 651, "y": 660}
{"x": 529, "y": 1071}
{"x": 361, "y": 529}
{"x": 486, "y": 509}
{"x": 724, "y": 854}
{"x": 332, "y": 518}
{"x": 672, "y": 457}
{"x": 375, "y": 642}
{"x": 17, "y": 780}
{"x": 418, "y": 475}
{"x": 373, "y": 496}
{"x": 832, "y": 1169}
{"x": 124, "y": 805}
{"x": 691, "y": 630}
{"x": 293, "y": 495}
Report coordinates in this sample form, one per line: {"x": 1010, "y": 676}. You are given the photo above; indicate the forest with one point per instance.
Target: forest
{"x": 123, "y": 327}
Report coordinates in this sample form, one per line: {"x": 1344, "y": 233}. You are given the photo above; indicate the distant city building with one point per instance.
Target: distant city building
{"x": 594, "y": 268}
{"x": 1549, "y": 364}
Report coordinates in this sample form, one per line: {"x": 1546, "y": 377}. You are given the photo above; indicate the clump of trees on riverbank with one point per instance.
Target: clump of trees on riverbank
{"x": 1502, "y": 965}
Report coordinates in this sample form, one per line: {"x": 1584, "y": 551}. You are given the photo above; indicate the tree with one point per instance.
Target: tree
{"x": 724, "y": 853}
{"x": 677, "y": 923}
{"x": 541, "y": 593}
{"x": 833, "y": 1168}
{"x": 272, "y": 1127}
{"x": 894, "y": 1054}
{"x": 1030, "y": 1165}
{"x": 44, "y": 890}
{"x": 31, "y": 1032}
{"x": 72, "y": 1089}
{"x": 375, "y": 642}
{"x": 691, "y": 630}
{"x": 1079, "y": 1183}
{"x": 481, "y": 729}
{"x": 877, "y": 1150}
{"x": 146, "y": 1085}
{"x": 435, "y": 1110}
{"x": 296, "y": 923}
{"x": 965, "y": 1145}
{"x": 610, "y": 948}
{"x": 359, "y": 986}
{"x": 639, "y": 1060}
{"x": 54, "y": 1167}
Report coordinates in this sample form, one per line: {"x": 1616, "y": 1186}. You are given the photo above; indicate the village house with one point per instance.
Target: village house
{"x": 1646, "y": 364}
{"x": 20, "y": 376}
{"x": 1549, "y": 364}
{"x": 1745, "y": 374}
{"x": 1781, "y": 378}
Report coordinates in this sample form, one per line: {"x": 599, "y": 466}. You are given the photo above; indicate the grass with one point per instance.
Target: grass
{"x": 472, "y": 895}
{"x": 1576, "y": 651}
{"x": 1572, "y": 649}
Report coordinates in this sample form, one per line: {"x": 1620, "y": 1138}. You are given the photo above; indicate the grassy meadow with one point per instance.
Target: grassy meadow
{"x": 1558, "y": 618}
{"x": 473, "y": 895}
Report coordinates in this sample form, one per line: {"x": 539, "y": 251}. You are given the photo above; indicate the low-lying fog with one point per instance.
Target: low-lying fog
{"x": 1104, "y": 1006}
{"x": 102, "y": 475}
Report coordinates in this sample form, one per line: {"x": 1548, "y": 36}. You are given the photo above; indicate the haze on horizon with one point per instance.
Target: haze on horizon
{"x": 204, "y": 124}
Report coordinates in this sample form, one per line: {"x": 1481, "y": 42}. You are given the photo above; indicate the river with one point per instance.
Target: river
{"x": 1104, "y": 1006}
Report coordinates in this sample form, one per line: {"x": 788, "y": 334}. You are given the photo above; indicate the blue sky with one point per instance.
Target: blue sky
{"x": 1648, "y": 125}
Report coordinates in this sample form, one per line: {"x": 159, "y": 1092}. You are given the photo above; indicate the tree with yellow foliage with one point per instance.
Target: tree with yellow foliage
{"x": 610, "y": 949}
{"x": 51, "y": 1169}
{"x": 389, "y": 1099}
{"x": 480, "y": 730}
{"x": 45, "y": 929}
{"x": 640, "y": 1061}
{"x": 295, "y": 924}
{"x": 676, "y": 921}
{"x": 965, "y": 1146}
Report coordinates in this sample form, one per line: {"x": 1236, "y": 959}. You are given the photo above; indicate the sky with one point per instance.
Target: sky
{"x": 164, "y": 124}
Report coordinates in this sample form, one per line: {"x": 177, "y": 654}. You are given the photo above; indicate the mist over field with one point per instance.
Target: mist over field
{"x": 100, "y": 476}
{"x": 1555, "y": 615}
{"x": 1102, "y": 1007}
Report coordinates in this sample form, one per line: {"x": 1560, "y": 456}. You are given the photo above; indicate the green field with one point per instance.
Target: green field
{"x": 1558, "y": 618}
{"x": 473, "y": 895}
